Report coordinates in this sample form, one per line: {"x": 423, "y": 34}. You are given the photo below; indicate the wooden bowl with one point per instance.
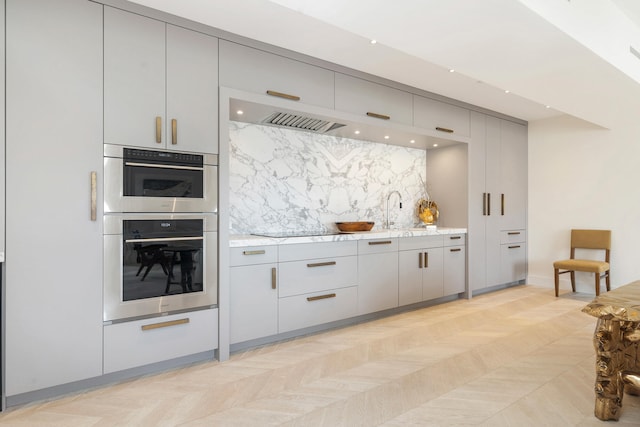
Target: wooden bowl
{"x": 355, "y": 226}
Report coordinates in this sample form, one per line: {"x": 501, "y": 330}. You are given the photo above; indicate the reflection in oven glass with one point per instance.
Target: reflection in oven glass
{"x": 159, "y": 269}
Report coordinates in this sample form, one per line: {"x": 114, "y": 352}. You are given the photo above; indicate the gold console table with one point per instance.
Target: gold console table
{"x": 617, "y": 342}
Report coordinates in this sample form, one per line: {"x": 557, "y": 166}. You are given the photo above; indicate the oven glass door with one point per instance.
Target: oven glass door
{"x": 161, "y": 257}
{"x": 146, "y": 180}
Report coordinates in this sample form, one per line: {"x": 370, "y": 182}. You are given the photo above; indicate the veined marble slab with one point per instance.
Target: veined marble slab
{"x": 243, "y": 240}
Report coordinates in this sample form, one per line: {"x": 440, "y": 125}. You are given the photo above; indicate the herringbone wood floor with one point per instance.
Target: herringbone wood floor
{"x": 516, "y": 357}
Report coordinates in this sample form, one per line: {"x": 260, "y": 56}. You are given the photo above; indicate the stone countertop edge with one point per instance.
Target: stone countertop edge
{"x": 238, "y": 241}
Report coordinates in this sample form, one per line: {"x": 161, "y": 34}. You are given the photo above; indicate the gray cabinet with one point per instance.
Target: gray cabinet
{"x": 497, "y": 194}
{"x": 53, "y": 325}
{"x": 253, "y": 293}
{"x": 253, "y": 70}
{"x": 440, "y": 116}
{"x": 454, "y": 262}
{"x": 160, "y": 84}
{"x": 420, "y": 269}
{"x": 513, "y": 256}
{"x": 377, "y": 275}
{"x": 375, "y": 103}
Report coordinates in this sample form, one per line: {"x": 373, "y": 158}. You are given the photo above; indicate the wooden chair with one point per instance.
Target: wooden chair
{"x": 586, "y": 239}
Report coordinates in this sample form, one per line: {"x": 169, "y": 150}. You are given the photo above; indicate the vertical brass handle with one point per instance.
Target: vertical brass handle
{"x": 94, "y": 189}
{"x": 502, "y": 204}
{"x": 420, "y": 260}
{"x": 174, "y": 131}
{"x": 273, "y": 278}
{"x": 484, "y": 204}
{"x": 426, "y": 260}
{"x": 159, "y": 129}
{"x": 489, "y": 204}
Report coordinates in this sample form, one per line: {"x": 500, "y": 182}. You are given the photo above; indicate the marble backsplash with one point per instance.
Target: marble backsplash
{"x": 287, "y": 180}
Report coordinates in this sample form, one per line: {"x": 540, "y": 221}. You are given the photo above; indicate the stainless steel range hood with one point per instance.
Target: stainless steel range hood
{"x": 301, "y": 122}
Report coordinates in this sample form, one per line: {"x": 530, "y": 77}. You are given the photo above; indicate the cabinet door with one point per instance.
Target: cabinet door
{"x": 256, "y": 71}
{"x": 513, "y": 262}
{"x": 53, "y": 282}
{"x": 377, "y": 282}
{"x": 435, "y": 115}
{"x": 432, "y": 274}
{"x": 362, "y": 98}
{"x": 134, "y": 79}
{"x": 477, "y": 199}
{"x": 494, "y": 189}
{"x": 192, "y": 91}
{"x": 410, "y": 265}
{"x": 513, "y": 179}
{"x": 454, "y": 270}
{"x": 253, "y": 302}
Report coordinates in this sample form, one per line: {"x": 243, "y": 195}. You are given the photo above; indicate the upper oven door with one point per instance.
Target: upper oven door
{"x": 143, "y": 185}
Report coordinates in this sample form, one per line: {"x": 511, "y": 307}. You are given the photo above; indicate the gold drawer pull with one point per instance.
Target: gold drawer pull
{"x": 513, "y": 233}
{"x": 514, "y": 247}
{"x": 164, "y": 324}
{"x": 455, "y": 237}
{"x": 426, "y": 260}
{"x": 378, "y": 116}
{"x": 283, "y": 95}
{"x": 455, "y": 250}
{"x": 381, "y": 242}
{"x": 444, "y": 130}
{"x": 322, "y": 264}
{"x": 420, "y": 257}
{"x": 258, "y": 252}
{"x": 174, "y": 131}
{"x": 273, "y": 278}
{"x": 316, "y": 298}
{"x": 159, "y": 129}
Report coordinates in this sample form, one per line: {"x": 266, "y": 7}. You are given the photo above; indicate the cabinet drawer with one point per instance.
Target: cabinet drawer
{"x": 420, "y": 242}
{"x": 455, "y": 239}
{"x": 304, "y": 251}
{"x": 316, "y": 275}
{"x": 513, "y": 262}
{"x": 302, "y": 311}
{"x": 257, "y": 71}
{"x": 141, "y": 342}
{"x": 376, "y": 246}
{"x": 440, "y": 116}
{"x": 253, "y": 255}
{"x": 513, "y": 236}
{"x": 362, "y": 97}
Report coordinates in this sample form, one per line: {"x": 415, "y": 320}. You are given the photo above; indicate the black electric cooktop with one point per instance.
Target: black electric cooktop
{"x": 281, "y": 234}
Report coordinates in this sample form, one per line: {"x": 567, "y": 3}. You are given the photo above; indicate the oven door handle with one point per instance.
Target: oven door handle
{"x": 161, "y": 166}
{"x": 163, "y": 239}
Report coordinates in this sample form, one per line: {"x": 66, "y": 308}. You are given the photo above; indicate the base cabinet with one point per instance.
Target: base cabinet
{"x": 316, "y": 308}
{"x": 420, "y": 270}
{"x": 377, "y": 275}
{"x": 513, "y": 256}
{"x": 454, "y": 261}
{"x": 142, "y": 342}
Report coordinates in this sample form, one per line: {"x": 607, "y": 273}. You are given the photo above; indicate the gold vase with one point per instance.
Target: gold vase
{"x": 427, "y": 211}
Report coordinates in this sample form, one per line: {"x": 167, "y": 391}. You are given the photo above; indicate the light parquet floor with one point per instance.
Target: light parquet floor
{"x": 516, "y": 357}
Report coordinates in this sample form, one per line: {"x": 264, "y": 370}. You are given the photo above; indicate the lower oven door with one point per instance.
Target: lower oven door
{"x": 158, "y": 263}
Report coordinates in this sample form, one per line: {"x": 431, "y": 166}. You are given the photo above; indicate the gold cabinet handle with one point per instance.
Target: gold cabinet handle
{"x": 455, "y": 250}
{"x": 283, "y": 95}
{"x": 444, "y": 130}
{"x": 514, "y": 247}
{"x": 426, "y": 260}
{"x": 94, "y": 194}
{"x": 378, "y": 116}
{"x": 489, "y": 204}
{"x": 321, "y": 264}
{"x": 273, "y": 278}
{"x": 420, "y": 260}
{"x": 174, "y": 131}
{"x": 164, "y": 324}
{"x": 484, "y": 204}
{"x": 159, "y": 129}
{"x": 258, "y": 252}
{"x": 513, "y": 233}
{"x": 502, "y": 204}
{"x": 316, "y": 298}
{"x": 381, "y": 242}
{"x": 455, "y": 237}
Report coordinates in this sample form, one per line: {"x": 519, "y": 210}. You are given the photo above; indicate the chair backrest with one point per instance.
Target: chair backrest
{"x": 591, "y": 239}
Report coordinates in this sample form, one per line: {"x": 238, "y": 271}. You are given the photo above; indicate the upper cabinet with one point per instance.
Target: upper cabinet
{"x": 374, "y": 100}
{"x": 160, "y": 84}
{"x": 440, "y": 116}
{"x": 257, "y": 71}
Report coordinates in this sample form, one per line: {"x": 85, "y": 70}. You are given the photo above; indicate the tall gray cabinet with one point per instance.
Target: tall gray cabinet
{"x": 53, "y": 143}
{"x": 497, "y": 202}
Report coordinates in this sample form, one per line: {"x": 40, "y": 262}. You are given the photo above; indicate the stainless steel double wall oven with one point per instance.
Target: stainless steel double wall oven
{"x": 160, "y": 232}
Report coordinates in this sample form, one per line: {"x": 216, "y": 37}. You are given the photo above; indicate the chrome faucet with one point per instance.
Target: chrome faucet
{"x": 389, "y": 197}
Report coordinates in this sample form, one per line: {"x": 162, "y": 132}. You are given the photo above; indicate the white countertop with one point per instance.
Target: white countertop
{"x": 237, "y": 241}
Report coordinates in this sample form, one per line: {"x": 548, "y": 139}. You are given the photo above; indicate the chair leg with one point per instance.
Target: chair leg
{"x": 597, "y": 284}
{"x": 557, "y": 278}
{"x": 607, "y": 281}
{"x": 573, "y": 280}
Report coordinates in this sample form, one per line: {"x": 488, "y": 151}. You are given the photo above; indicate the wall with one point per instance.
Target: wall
{"x": 285, "y": 180}
{"x": 582, "y": 176}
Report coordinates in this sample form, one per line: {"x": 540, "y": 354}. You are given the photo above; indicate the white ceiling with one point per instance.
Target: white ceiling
{"x": 493, "y": 45}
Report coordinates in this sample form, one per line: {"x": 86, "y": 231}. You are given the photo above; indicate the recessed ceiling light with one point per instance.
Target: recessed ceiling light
{"x": 386, "y": 137}
{"x": 547, "y": 106}
{"x": 413, "y": 141}
{"x": 451, "y": 70}
{"x": 239, "y": 112}
{"x": 373, "y": 41}
{"x": 435, "y": 145}
{"x": 507, "y": 91}
{"x": 357, "y": 132}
